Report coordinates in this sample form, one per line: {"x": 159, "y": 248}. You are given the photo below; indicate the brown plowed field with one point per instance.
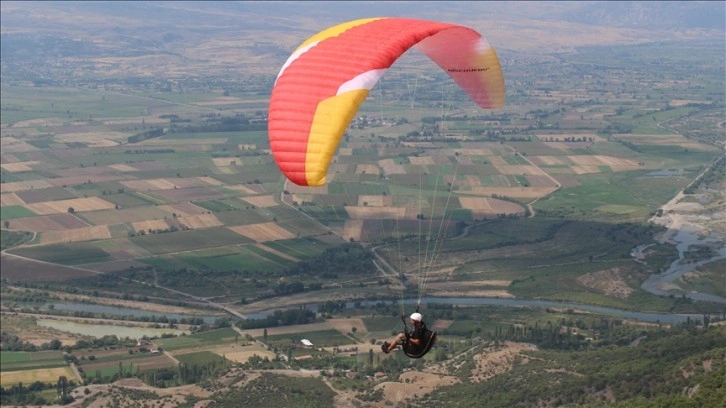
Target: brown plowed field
{"x": 152, "y": 225}
{"x": 19, "y": 166}
{"x": 190, "y": 194}
{"x": 515, "y": 192}
{"x": 365, "y": 213}
{"x": 19, "y": 269}
{"x": 110, "y": 217}
{"x": 183, "y": 209}
{"x": 366, "y": 169}
{"x": 45, "y": 223}
{"x": 489, "y": 206}
{"x": 16, "y": 186}
{"x": 78, "y": 204}
{"x": 199, "y": 221}
{"x": 260, "y": 201}
{"x": 7, "y": 199}
{"x": 76, "y": 180}
{"x": 389, "y": 166}
{"x": 75, "y": 235}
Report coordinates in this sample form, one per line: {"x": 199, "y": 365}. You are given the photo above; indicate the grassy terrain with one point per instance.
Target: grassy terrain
{"x": 647, "y": 374}
{"x": 219, "y": 336}
{"x": 324, "y": 338}
{"x": 21, "y": 360}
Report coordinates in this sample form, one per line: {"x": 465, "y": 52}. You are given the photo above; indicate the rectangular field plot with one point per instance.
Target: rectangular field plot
{"x": 45, "y": 375}
{"x": 189, "y": 240}
{"x": 16, "y": 211}
{"x": 199, "y": 358}
{"x": 23, "y": 360}
{"x": 221, "y": 259}
{"x": 106, "y": 369}
{"x": 137, "y": 214}
{"x": 66, "y": 254}
{"x": 302, "y": 248}
{"x": 213, "y": 337}
{"x": 320, "y": 338}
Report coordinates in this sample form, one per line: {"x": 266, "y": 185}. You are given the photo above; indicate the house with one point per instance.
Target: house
{"x": 307, "y": 343}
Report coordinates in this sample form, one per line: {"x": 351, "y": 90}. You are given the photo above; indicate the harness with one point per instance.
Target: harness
{"x": 427, "y": 341}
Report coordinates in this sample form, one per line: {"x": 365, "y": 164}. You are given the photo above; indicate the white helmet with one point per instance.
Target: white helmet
{"x": 417, "y": 317}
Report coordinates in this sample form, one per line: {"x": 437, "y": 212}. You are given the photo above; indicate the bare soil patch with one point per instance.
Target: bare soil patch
{"x": 75, "y": 235}
{"x": 597, "y": 160}
{"x": 353, "y": 229}
{"x": 45, "y": 375}
{"x": 242, "y": 188}
{"x": 366, "y": 169}
{"x": 144, "y": 363}
{"x": 608, "y": 281}
{"x": 515, "y": 192}
{"x": 298, "y": 328}
{"x": 441, "y": 324}
{"x": 17, "y": 269}
{"x": 78, "y": 204}
{"x": 375, "y": 212}
{"x": 374, "y": 201}
{"x": 7, "y": 199}
{"x": 566, "y": 180}
{"x": 150, "y": 225}
{"x": 45, "y": 223}
{"x": 389, "y": 166}
{"x": 261, "y": 201}
{"x": 199, "y": 221}
{"x": 276, "y": 252}
{"x": 25, "y": 328}
{"x": 183, "y": 209}
{"x": 170, "y": 183}
{"x": 414, "y": 384}
{"x": 491, "y": 363}
{"x": 486, "y": 206}
{"x": 190, "y": 194}
{"x": 519, "y": 169}
{"x": 227, "y": 161}
{"x": 110, "y": 217}
{"x": 19, "y": 166}
{"x": 540, "y": 181}
{"x": 263, "y": 232}
{"x": 15, "y": 186}
{"x": 421, "y": 161}
{"x": 241, "y": 354}
{"x": 122, "y": 167}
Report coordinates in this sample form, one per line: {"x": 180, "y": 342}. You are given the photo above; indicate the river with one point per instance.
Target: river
{"x": 685, "y": 237}
{"x": 652, "y": 317}
{"x": 114, "y": 310}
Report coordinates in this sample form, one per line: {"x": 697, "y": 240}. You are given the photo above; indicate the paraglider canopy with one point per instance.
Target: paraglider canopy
{"x": 326, "y": 79}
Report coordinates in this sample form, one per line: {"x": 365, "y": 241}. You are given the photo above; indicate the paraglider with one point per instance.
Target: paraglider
{"x": 325, "y": 80}
{"x": 323, "y": 83}
{"x": 416, "y": 342}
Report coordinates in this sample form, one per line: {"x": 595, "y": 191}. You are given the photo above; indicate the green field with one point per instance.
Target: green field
{"x": 24, "y": 360}
{"x": 213, "y": 337}
{"x": 65, "y": 254}
{"x": 15, "y": 211}
{"x": 188, "y": 240}
{"x": 199, "y": 358}
{"x": 321, "y": 338}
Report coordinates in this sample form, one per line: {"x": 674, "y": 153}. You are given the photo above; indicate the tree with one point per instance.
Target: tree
{"x": 62, "y": 387}
{"x": 71, "y": 210}
{"x": 55, "y": 344}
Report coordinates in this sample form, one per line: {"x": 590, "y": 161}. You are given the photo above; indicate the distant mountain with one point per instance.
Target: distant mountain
{"x": 677, "y": 15}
